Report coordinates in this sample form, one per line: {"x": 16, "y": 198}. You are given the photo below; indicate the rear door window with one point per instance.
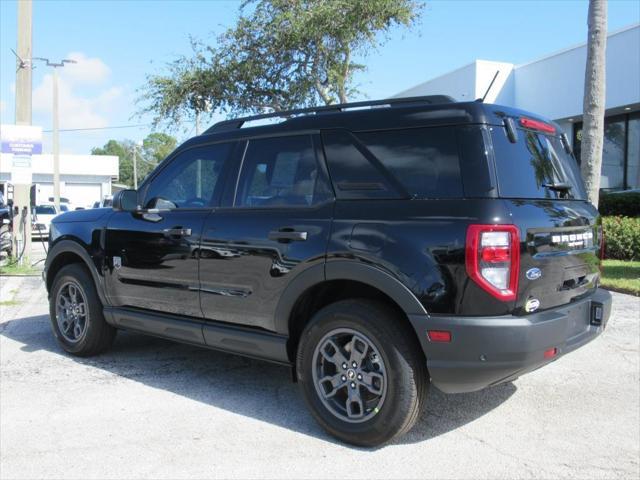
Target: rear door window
{"x": 532, "y": 166}
{"x": 281, "y": 171}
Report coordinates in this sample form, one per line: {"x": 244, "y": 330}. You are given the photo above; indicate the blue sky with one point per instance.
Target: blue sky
{"x": 117, "y": 43}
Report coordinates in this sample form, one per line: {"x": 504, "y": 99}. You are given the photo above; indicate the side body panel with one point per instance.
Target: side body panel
{"x": 419, "y": 243}
{"x": 149, "y": 266}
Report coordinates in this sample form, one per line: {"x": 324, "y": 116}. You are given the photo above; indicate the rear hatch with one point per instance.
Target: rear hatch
{"x": 540, "y": 181}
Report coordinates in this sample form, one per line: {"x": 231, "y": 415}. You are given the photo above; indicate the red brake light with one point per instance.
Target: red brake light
{"x": 493, "y": 259}
{"x": 496, "y": 254}
{"x": 537, "y": 125}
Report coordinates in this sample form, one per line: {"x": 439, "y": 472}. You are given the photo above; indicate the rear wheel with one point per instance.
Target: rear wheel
{"x": 362, "y": 372}
{"x": 76, "y": 313}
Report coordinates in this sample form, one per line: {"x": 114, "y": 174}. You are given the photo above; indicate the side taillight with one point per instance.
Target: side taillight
{"x": 493, "y": 259}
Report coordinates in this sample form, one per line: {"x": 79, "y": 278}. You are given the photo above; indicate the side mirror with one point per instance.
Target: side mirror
{"x": 125, "y": 201}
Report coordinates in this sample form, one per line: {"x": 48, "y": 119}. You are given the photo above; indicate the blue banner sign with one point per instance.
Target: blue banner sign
{"x": 21, "y": 139}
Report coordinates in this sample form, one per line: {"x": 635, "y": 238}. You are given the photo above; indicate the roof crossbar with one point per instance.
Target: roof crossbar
{"x": 237, "y": 123}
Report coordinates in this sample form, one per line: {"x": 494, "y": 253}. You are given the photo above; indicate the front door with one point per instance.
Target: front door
{"x": 275, "y": 226}
{"x": 152, "y": 255}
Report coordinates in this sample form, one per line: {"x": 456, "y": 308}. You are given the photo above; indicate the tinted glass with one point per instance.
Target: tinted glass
{"x": 613, "y": 155}
{"x": 190, "y": 180}
{"x": 280, "y": 171}
{"x": 633, "y": 149}
{"x": 64, "y": 208}
{"x": 424, "y": 160}
{"x": 527, "y": 168}
{"x": 353, "y": 174}
{"x": 45, "y": 210}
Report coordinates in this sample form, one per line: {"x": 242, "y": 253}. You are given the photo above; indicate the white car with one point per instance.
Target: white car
{"x": 42, "y": 216}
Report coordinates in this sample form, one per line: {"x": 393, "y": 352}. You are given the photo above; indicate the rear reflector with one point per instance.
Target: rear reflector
{"x": 537, "y": 125}
{"x": 552, "y": 352}
{"x": 441, "y": 336}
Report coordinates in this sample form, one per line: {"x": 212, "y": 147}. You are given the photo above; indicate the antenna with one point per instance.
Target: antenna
{"x": 481, "y": 100}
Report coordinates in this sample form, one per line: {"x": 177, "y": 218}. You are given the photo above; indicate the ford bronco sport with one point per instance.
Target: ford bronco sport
{"x": 375, "y": 247}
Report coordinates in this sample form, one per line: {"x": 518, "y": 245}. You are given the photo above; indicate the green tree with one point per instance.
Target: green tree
{"x": 281, "y": 54}
{"x": 155, "y": 148}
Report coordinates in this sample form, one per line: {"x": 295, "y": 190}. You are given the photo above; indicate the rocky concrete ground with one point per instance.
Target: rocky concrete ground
{"x": 153, "y": 408}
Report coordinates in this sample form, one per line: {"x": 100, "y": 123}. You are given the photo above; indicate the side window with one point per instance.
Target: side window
{"x": 280, "y": 171}
{"x": 190, "y": 180}
{"x": 355, "y": 176}
{"x": 424, "y": 160}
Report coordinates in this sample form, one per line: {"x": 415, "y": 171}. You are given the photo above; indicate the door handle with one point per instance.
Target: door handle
{"x": 287, "y": 236}
{"x": 177, "y": 232}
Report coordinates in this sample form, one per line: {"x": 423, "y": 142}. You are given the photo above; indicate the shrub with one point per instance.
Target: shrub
{"x": 622, "y": 238}
{"x": 625, "y": 204}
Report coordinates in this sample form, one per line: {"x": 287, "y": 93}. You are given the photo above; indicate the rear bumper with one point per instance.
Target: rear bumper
{"x": 486, "y": 351}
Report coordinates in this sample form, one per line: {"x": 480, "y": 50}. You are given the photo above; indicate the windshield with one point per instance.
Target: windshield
{"x": 64, "y": 208}
{"x": 45, "y": 210}
{"x": 536, "y": 166}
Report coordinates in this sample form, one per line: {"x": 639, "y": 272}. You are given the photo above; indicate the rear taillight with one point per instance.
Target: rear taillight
{"x": 493, "y": 259}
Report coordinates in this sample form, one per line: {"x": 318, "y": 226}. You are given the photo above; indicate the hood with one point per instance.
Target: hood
{"x": 89, "y": 215}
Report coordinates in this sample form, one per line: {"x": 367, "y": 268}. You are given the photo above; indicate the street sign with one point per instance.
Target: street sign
{"x": 21, "y": 139}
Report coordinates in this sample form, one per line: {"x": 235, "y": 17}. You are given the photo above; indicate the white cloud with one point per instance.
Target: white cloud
{"x": 87, "y": 71}
{"x": 84, "y": 98}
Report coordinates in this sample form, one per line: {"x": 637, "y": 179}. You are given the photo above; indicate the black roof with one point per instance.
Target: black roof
{"x": 361, "y": 116}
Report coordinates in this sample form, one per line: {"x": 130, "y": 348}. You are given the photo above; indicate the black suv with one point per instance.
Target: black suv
{"x": 374, "y": 247}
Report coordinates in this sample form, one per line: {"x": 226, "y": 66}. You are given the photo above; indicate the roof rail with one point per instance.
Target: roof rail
{"x": 237, "y": 123}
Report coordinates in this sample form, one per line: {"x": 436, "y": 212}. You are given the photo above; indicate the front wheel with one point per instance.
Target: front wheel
{"x": 76, "y": 313}
{"x": 362, "y": 372}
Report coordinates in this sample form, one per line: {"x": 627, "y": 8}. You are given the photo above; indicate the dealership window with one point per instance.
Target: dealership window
{"x": 621, "y": 151}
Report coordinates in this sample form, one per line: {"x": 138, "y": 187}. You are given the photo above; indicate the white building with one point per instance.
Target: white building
{"x": 553, "y": 87}
{"x": 84, "y": 179}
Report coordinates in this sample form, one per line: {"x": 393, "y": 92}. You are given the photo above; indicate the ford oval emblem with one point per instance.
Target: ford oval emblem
{"x": 534, "y": 273}
{"x": 532, "y": 305}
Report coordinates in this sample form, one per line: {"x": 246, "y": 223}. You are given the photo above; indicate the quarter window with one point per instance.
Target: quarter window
{"x": 190, "y": 180}
{"x": 280, "y": 171}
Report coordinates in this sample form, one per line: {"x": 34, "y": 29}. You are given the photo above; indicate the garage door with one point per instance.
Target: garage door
{"x": 83, "y": 194}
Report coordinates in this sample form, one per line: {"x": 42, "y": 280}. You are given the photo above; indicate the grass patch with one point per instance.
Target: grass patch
{"x": 9, "y": 303}
{"x": 24, "y": 269}
{"x": 621, "y": 276}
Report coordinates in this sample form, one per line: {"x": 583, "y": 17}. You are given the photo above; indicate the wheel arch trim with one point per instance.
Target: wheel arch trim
{"x": 345, "y": 270}
{"x": 70, "y": 246}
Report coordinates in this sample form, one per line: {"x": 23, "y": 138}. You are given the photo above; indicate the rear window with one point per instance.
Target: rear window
{"x": 534, "y": 164}
{"x": 45, "y": 210}
{"x": 423, "y": 160}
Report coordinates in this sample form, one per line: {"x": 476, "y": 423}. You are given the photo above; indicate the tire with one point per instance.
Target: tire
{"x": 397, "y": 398}
{"x": 94, "y": 334}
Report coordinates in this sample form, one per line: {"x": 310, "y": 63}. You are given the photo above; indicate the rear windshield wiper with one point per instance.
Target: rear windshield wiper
{"x": 558, "y": 187}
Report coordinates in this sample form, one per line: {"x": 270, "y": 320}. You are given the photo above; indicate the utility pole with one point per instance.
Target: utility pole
{"x": 56, "y": 137}
{"x": 22, "y": 192}
{"x": 135, "y": 167}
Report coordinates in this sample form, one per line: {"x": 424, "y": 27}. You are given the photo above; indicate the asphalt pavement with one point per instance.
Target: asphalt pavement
{"x": 155, "y": 409}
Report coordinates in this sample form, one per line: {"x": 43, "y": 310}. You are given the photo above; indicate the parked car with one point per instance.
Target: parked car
{"x": 42, "y": 216}
{"x": 106, "y": 202}
{"x": 376, "y": 251}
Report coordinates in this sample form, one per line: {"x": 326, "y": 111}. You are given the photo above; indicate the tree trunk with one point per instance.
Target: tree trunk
{"x": 594, "y": 99}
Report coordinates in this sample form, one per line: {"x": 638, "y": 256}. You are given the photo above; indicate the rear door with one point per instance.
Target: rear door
{"x": 152, "y": 255}
{"x": 275, "y": 225}
{"x": 560, "y": 231}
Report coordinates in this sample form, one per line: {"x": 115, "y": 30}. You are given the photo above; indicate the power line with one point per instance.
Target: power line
{"x": 98, "y": 128}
